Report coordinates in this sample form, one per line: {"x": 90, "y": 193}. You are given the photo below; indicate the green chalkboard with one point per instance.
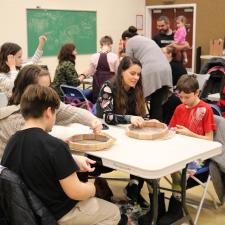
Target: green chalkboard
{"x": 60, "y": 27}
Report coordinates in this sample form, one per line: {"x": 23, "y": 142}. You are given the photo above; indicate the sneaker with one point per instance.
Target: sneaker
{"x": 132, "y": 192}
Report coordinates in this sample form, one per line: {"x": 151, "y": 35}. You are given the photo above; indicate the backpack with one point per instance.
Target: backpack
{"x": 213, "y": 84}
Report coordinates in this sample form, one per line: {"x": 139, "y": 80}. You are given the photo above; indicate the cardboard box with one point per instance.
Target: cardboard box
{"x": 216, "y": 47}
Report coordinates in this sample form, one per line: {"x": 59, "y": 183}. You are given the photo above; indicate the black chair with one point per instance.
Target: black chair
{"x": 18, "y": 204}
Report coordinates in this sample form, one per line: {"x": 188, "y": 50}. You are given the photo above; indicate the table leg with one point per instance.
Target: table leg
{"x": 183, "y": 195}
{"x": 155, "y": 186}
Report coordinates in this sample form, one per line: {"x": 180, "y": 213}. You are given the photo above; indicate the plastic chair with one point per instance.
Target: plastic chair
{"x": 71, "y": 91}
{"x": 75, "y": 96}
{"x": 216, "y": 109}
{"x": 202, "y": 178}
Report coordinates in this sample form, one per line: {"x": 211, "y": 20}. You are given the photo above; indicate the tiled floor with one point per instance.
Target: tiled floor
{"x": 208, "y": 216}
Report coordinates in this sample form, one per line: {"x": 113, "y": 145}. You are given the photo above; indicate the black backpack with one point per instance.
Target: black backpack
{"x": 213, "y": 84}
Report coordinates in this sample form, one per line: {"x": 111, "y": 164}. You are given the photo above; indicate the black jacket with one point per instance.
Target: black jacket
{"x": 18, "y": 205}
{"x": 215, "y": 61}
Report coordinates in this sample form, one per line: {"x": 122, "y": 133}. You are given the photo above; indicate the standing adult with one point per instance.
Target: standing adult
{"x": 156, "y": 71}
{"x": 165, "y": 36}
{"x": 178, "y": 70}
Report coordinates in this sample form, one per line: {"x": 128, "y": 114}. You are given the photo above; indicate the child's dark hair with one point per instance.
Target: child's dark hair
{"x": 106, "y": 40}
{"x": 28, "y": 75}
{"x": 36, "y": 99}
{"x": 132, "y": 31}
{"x": 7, "y": 48}
{"x": 187, "y": 84}
{"x": 65, "y": 53}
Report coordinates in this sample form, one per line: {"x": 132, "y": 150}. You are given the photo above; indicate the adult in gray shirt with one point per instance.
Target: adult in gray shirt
{"x": 156, "y": 71}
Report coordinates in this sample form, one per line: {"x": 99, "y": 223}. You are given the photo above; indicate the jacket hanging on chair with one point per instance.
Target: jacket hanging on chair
{"x": 19, "y": 205}
{"x": 101, "y": 75}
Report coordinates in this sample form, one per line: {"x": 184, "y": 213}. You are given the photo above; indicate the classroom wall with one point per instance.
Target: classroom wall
{"x": 210, "y": 18}
{"x": 113, "y": 17}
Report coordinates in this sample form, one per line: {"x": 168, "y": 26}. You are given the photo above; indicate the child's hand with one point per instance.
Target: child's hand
{"x": 96, "y": 125}
{"x": 11, "y": 62}
{"x": 137, "y": 121}
{"x": 84, "y": 163}
{"x": 42, "y": 40}
{"x": 183, "y": 130}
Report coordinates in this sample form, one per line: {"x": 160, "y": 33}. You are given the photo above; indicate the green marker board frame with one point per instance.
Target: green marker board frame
{"x": 60, "y": 27}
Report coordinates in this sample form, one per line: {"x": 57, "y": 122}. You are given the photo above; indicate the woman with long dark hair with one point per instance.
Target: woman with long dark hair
{"x": 121, "y": 101}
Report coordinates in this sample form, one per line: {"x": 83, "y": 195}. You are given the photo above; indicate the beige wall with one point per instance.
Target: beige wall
{"x": 210, "y": 18}
{"x": 113, "y": 17}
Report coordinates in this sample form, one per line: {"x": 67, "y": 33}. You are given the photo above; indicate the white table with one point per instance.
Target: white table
{"x": 146, "y": 158}
{"x": 214, "y": 97}
{"x": 211, "y": 56}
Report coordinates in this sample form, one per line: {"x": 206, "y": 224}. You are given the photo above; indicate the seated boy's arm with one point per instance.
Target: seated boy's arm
{"x": 185, "y": 131}
{"x": 77, "y": 190}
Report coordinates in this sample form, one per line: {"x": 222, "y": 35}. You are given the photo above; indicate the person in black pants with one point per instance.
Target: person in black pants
{"x": 178, "y": 70}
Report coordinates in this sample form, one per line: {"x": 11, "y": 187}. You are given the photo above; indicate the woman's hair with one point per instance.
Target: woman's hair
{"x": 132, "y": 31}
{"x": 27, "y": 75}
{"x": 36, "y": 99}
{"x": 7, "y": 49}
{"x": 66, "y": 53}
{"x": 106, "y": 40}
{"x": 187, "y": 83}
{"x": 121, "y": 101}
{"x": 182, "y": 19}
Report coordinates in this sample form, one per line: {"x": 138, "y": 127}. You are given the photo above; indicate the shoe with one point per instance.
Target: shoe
{"x": 174, "y": 213}
{"x": 132, "y": 192}
{"x": 147, "y": 218}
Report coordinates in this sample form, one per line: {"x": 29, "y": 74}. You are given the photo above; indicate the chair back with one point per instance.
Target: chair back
{"x": 73, "y": 92}
{"x": 74, "y": 96}
{"x": 216, "y": 109}
{"x": 18, "y": 204}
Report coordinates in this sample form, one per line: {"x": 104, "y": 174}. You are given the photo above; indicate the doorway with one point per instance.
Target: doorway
{"x": 172, "y": 11}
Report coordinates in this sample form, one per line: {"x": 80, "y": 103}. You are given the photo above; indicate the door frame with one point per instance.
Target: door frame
{"x": 148, "y": 23}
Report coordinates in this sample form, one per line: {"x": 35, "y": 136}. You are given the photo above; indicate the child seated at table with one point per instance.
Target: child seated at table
{"x": 48, "y": 168}
{"x": 193, "y": 118}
